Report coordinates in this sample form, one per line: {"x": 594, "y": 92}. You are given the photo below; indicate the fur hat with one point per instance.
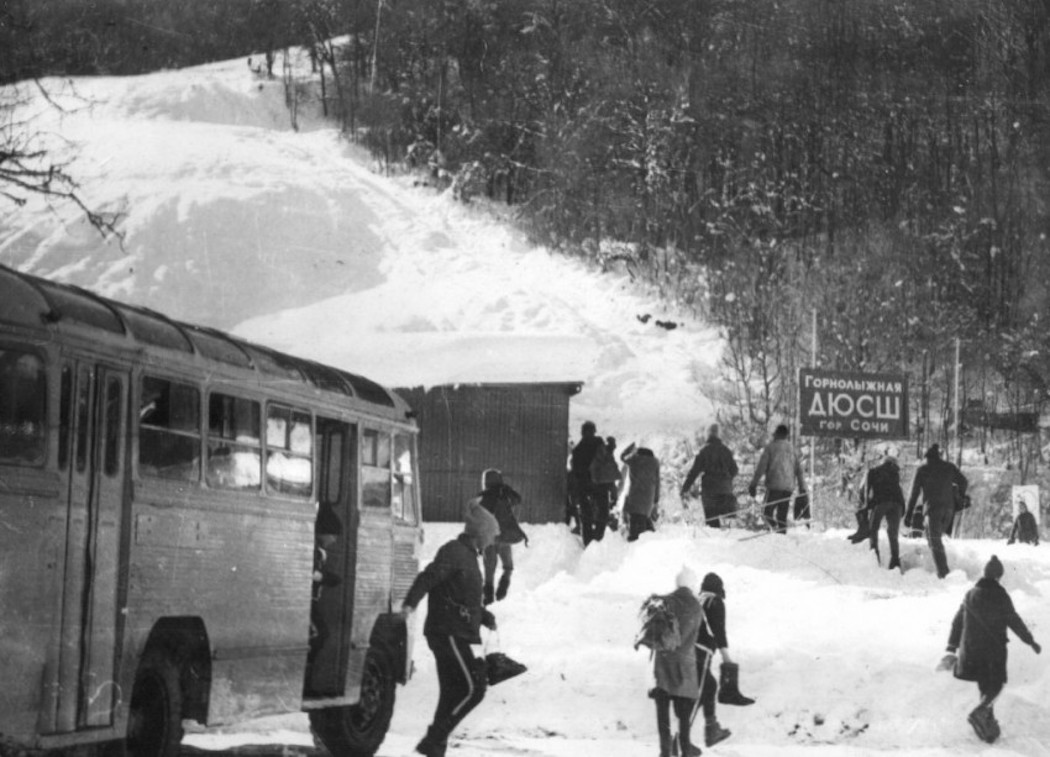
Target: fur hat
{"x": 994, "y": 569}
{"x": 713, "y": 583}
{"x": 491, "y": 477}
{"x": 480, "y": 523}
{"x": 686, "y": 577}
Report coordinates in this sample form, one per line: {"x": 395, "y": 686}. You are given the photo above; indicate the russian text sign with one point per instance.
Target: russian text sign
{"x": 862, "y": 405}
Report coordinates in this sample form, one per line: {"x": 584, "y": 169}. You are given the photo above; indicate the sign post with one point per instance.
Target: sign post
{"x": 857, "y": 405}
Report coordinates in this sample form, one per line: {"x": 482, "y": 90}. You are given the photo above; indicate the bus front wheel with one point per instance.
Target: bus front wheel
{"x": 358, "y": 730}
{"x": 155, "y": 715}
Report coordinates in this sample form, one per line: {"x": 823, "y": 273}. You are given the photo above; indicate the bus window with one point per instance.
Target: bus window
{"x": 375, "y": 469}
{"x": 289, "y": 451}
{"x": 404, "y": 489}
{"x": 234, "y": 449}
{"x": 23, "y": 407}
{"x": 169, "y": 430}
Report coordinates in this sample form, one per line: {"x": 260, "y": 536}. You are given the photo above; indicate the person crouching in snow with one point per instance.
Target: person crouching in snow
{"x": 454, "y": 617}
{"x": 712, "y": 638}
{"x": 503, "y": 502}
{"x": 979, "y": 634}
{"x": 676, "y": 672}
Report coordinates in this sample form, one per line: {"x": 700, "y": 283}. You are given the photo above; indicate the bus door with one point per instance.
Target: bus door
{"x": 405, "y": 505}
{"x": 86, "y": 685}
{"x": 334, "y": 565}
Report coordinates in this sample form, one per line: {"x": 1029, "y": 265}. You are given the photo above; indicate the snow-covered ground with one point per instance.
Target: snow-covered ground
{"x": 289, "y": 238}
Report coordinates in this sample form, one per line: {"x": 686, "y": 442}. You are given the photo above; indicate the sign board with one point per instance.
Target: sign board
{"x": 860, "y": 405}
{"x": 1027, "y": 495}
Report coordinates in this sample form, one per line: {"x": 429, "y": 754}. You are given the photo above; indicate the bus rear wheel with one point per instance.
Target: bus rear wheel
{"x": 155, "y": 715}
{"x": 358, "y": 730}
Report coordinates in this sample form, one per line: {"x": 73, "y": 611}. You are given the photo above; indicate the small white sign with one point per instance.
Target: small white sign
{"x": 1027, "y": 495}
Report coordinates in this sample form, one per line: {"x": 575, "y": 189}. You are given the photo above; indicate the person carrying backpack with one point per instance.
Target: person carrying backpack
{"x": 675, "y": 669}
{"x": 503, "y": 502}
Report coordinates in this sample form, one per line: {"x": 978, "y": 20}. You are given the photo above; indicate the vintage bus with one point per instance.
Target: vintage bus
{"x": 192, "y": 528}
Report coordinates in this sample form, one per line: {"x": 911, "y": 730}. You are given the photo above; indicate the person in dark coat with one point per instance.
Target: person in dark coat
{"x": 939, "y": 481}
{"x": 502, "y": 501}
{"x": 782, "y": 470}
{"x": 455, "y": 614}
{"x": 885, "y": 500}
{"x": 605, "y": 475}
{"x": 581, "y": 489}
{"x": 1026, "y": 529}
{"x": 642, "y": 481}
{"x": 715, "y": 467}
{"x": 977, "y": 644}
{"x": 676, "y": 671}
{"x": 710, "y": 639}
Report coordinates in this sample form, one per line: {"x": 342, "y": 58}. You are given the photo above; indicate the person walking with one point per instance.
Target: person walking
{"x": 977, "y": 644}
{"x": 503, "y": 502}
{"x": 642, "y": 481}
{"x": 781, "y": 469}
{"x": 715, "y": 467}
{"x": 1026, "y": 529}
{"x": 675, "y": 670}
{"x": 938, "y": 481}
{"x": 580, "y": 483}
{"x": 605, "y": 475}
{"x": 455, "y": 615}
{"x": 710, "y": 639}
{"x": 885, "y": 500}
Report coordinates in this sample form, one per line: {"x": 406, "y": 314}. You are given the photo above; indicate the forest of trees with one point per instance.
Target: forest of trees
{"x": 876, "y": 167}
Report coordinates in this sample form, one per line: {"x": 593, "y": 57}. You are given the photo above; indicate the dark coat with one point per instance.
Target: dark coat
{"x": 1026, "y": 529}
{"x": 502, "y": 501}
{"x": 453, "y": 580}
{"x": 938, "y": 481}
{"x": 643, "y": 483}
{"x": 675, "y": 670}
{"x": 712, "y": 633}
{"x": 604, "y": 469}
{"x": 979, "y": 632}
{"x": 883, "y": 485}
{"x": 581, "y": 457}
{"x": 715, "y": 466}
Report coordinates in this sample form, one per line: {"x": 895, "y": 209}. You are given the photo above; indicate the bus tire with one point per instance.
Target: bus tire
{"x": 155, "y": 713}
{"x": 358, "y": 730}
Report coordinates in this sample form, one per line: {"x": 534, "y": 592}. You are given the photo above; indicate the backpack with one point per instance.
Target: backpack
{"x": 659, "y": 629}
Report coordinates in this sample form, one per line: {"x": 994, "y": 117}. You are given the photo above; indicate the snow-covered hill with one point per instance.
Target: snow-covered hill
{"x": 289, "y": 238}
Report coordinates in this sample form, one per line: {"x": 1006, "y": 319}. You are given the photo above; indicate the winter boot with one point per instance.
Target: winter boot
{"x": 690, "y": 749}
{"x": 895, "y": 562}
{"x": 486, "y": 594}
{"x": 863, "y": 529}
{"x": 728, "y": 690}
{"x": 714, "y": 732}
{"x": 504, "y": 585}
{"x": 984, "y": 724}
{"x": 433, "y": 744}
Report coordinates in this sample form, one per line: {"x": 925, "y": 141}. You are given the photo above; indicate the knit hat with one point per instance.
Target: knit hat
{"x": 994, "y": 569}
{"x": 480, "y": 523}
{"x": 713, "y": 583}
{"x": 491, "y": 477}
{"x": 781, "y": 432}
{"x": 686, "y": 577}
{"x": 713, "y": 429}
{"x": 934, "y": 452}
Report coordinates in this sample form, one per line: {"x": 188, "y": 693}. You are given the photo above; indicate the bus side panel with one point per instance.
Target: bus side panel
{"x": 34, "y": 519}
{"x": 372, "y": 592}
{"x": 196, "y": 560}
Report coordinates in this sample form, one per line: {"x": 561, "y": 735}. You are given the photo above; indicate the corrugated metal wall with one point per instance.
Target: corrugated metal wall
{"x": 522, "y": 429}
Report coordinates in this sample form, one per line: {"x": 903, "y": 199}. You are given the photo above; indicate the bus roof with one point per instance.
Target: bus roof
{"x": 36, "y": 303}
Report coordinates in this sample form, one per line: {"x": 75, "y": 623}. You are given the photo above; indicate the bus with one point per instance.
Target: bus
{"x": 192, "y": 528}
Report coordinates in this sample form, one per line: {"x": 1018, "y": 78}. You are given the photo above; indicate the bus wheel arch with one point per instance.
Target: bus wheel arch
{"x": 184, "y": 640}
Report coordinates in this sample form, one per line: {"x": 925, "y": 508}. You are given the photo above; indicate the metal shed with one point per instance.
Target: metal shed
{"x": 520, "y": 428}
